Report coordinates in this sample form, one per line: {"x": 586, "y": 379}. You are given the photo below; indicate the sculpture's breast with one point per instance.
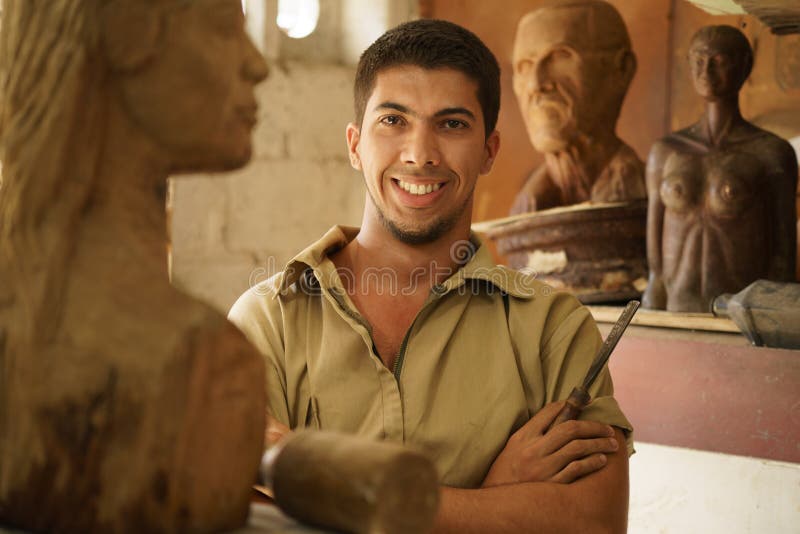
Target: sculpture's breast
{"x": 721, "y": 185}
{"x": 682, "y": 185}
{"x": 731, "y": 183}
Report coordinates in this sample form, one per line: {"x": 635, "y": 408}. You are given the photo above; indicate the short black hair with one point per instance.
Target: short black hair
{"x": 431, "y": 44}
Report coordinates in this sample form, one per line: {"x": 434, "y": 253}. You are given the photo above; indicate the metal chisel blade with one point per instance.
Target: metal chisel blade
{"x": 611, "y": 341}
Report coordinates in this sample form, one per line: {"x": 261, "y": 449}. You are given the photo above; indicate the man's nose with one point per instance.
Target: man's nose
{"x": 254, "y": 68}
{"x": 421, "y": 148}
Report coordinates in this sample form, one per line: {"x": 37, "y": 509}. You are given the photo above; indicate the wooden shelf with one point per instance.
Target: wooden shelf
{"x": 665, "y": 319}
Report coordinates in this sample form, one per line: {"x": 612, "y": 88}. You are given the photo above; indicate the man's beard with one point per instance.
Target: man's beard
{"x": 423, "y": 236}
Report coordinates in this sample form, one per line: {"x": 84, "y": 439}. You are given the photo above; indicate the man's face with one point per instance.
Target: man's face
{"x": 195, "y": 99}
{"x": 421, "y": 147}
{"x": 715, "y": 72}
{"x": 561, "y": 86}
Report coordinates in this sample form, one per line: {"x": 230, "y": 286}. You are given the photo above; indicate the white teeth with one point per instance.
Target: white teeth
{"x": 421, "y": 189}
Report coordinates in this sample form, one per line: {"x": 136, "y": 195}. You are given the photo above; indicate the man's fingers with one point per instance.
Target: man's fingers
{"x": 576, "y": 459}
{"x": 582, "y": 455}
{"x": 537, "y": 425}
{"x": 581, "y": 448}
{"x": 569, "y": 431}
{"x": 580, "y": 468}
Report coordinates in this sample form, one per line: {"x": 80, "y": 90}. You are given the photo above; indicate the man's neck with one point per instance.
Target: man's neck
{"x": 414, "y": 265}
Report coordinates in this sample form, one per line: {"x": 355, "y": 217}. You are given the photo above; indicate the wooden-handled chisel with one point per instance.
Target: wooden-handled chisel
{"x": 579, "y": 397}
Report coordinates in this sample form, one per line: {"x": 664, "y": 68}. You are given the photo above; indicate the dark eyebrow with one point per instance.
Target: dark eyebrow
{"x": 455, "y": 111}
{"x": 393, "y": 105}
{"x": 442, "y": 112}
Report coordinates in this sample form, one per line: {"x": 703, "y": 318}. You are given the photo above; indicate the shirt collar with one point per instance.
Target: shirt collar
{"x": 479, "y": 267}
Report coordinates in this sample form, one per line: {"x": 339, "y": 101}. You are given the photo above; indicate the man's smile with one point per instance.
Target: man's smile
{"x": 418, "y": 189}
{"x": 418, "y": 194}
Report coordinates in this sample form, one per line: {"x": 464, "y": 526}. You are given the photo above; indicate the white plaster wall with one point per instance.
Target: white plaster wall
{"x": 680, "y": 491}
{"x": 230, "y": 230}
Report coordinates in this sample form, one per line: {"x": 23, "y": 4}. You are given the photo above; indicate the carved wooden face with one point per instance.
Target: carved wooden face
{"x": 715, "y": 72}
{"x": 720, "y": 59}
{"x": 566, "y": 77}
{"x": 195, "y": 96}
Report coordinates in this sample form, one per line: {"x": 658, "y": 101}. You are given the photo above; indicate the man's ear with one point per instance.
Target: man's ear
{"x": 129, "y": 33}
{"x": 625, "y": 64}
{"x": 490, "y": 149}
{"x": 353, "y": 134}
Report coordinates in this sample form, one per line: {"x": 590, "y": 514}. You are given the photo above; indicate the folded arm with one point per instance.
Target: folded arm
{"x": 597, "y": 502}
{"x": 572, "y": 478}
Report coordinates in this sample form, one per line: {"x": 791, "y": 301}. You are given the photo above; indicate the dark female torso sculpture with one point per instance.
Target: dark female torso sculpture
{"x": 721, "y": 211}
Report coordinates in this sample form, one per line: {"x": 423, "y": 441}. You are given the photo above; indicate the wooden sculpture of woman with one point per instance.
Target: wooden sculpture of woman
{"x": 721, "y": 192}
{"x": 124, "y": 404}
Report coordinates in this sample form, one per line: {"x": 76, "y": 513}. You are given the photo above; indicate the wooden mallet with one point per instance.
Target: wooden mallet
{"x": 352, "y": 484}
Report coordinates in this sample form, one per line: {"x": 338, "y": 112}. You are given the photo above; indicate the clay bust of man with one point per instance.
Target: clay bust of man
{"x": 721, "y": 210}
{"x": 572, "y": 67}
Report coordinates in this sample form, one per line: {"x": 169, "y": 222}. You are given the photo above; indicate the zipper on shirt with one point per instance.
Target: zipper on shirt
{"x": 397, "y": 368}
{"x": 398, "y": 362}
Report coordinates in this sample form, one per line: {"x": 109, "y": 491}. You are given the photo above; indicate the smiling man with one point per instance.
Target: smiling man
{"x": 452, "y": 354}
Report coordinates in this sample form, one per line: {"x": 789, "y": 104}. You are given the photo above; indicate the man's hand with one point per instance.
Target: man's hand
{"x": 566, "y": 453}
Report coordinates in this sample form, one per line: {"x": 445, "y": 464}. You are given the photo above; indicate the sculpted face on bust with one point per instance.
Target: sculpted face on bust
{"x": 194, "y": 94}
{"x": 720, "y": 59}
{"x": 572, "y": 66}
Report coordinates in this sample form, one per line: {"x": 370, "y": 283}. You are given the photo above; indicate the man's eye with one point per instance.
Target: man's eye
{"x": 391, "y": 120}
{"x": 455, "y": 124}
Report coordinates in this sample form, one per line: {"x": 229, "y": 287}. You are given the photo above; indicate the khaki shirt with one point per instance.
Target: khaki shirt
{"x": 489, "y": 348}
